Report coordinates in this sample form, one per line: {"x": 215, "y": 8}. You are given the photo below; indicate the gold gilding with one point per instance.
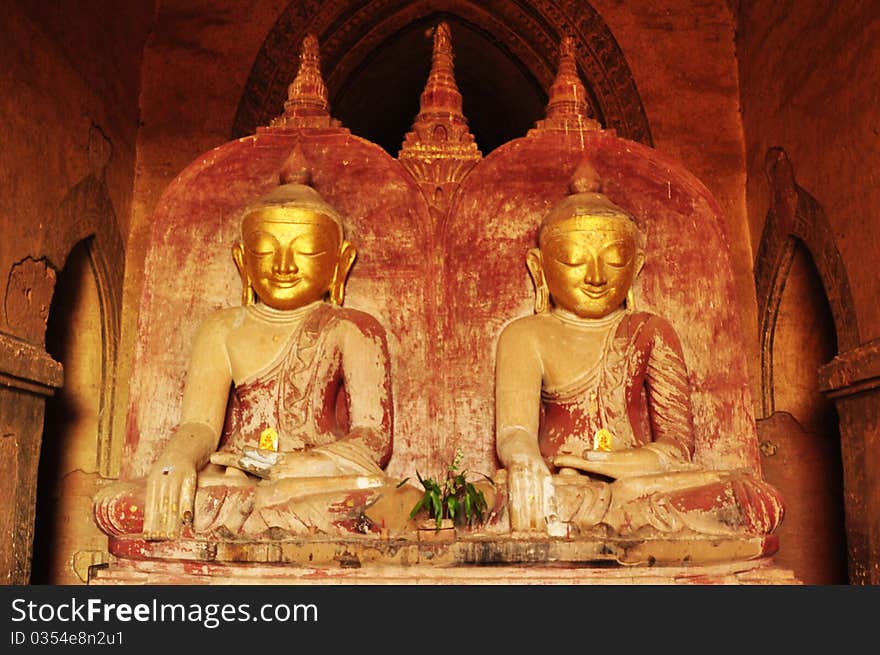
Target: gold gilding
{"x": 603, "y": 440}
{"x": 587, "y": 263}
{"x": 293, "y": 255}
{"x": 269, "y": 439}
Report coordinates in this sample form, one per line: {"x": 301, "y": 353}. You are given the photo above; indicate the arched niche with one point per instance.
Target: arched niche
{"x": 795, "y": 217}
{"x": 85, "y": 216}
{"x": 806, "y": 317}
{"x": 68, "y": 469}
{"x": 89, "y": 219}
{"x": 505, "y": 51}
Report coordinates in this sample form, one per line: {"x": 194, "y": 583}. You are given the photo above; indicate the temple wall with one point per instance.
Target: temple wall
{"x": 69, "y": 117}
{"x": 809, "y": 86}
{"x": 195, "y": 65}
{"x": 69, "y": 472}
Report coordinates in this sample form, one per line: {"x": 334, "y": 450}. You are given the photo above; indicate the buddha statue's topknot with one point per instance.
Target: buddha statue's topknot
{"x": 586, "y": 198}
{"x": 295, "y": 190}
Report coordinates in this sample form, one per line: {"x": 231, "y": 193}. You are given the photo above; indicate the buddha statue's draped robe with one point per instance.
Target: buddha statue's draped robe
{"x": 638, "y": 390}
{"x": 328, "y": 392}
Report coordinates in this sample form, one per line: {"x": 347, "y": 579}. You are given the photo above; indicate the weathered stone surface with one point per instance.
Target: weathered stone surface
{"x": 860, "y": 450}
{"x": 806, "y": 468}
{"x": 132, "y": 572}
{"x": 21, "y": 426}
{"x": 446, "y": 549}
{"x": 852, "y": 371}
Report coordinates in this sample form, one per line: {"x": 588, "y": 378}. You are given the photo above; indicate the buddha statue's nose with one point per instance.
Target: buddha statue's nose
{"x": 595, "y": 275}
{"x": 285, "y": 261}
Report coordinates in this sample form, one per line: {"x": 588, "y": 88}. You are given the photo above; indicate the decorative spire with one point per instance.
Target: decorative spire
{"x": 568, "y": 108}
{"x": 441, "y": 99}
{"x": 440, "y": 149}
{"x": 307, "y": 104}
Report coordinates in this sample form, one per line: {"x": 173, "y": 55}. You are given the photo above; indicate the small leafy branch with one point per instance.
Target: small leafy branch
{"x": 453, "y": 498}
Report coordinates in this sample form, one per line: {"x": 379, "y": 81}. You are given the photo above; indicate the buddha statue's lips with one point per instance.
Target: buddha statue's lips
{"x": 285, "y": 282}
{"x": 596, "y": 293}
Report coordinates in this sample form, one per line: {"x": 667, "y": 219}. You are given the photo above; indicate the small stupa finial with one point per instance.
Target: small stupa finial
{"x": 441, "y": 97}
{"x": 307, "y": 104}
{"x": 568, "y": 108}
{"x": 440, "y": 147}
{"x": 585, "y": 179}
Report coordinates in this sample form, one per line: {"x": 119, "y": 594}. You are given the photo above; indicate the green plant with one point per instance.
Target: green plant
{"x": 453, "y": 498}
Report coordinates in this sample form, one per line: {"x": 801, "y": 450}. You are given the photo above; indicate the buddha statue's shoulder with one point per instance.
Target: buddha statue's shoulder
{"x": 352, "y": 321}
{"x": 221, "y": 321}
{"x": 525, "y": 330}
{"x": 649, "y": 325}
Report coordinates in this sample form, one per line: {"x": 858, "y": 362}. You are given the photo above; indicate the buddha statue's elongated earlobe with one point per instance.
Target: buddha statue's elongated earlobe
{"x": 536, "y": 271}
{"x": 347, "y": 254}
{"x": 631, "y": 294}
{"x": 542, "y": 298}
{"x": 247, "y": 290}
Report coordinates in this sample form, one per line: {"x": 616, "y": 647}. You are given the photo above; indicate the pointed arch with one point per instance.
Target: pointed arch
{"x": 796, "y": 217}
{"x": 87, "y": 212}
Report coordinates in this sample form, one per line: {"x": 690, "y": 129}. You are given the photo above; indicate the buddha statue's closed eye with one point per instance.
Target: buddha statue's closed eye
{"x": 593, "y": 410}
{"x": 301, "y": 444}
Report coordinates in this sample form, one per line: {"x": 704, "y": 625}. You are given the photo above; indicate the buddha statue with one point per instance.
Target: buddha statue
{"x": 300, "y": 444}
{"x": 594, "y": 419}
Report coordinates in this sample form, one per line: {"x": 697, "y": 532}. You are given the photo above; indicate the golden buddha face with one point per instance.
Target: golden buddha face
{"x": 292, "y": 256}
{"x": 588, "y": 263}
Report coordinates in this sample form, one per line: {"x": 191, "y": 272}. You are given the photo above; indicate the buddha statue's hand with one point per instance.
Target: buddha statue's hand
{"x": 614, "y": 464}
{"x": 303, "y": 464}
{"x": 170, "y": 495}
{"x": 254, "y": 461}
{"x": 530, "y": 494}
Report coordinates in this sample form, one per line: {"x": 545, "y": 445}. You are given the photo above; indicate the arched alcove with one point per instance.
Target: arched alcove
{"x": 806, "y": 319}
{"x": 68, "y": 471}
{"x": 804, "y": 340}
{"x": 803, "y": 454}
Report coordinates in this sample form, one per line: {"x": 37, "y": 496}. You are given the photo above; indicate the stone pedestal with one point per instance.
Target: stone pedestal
{"x": 149, "y": 572}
